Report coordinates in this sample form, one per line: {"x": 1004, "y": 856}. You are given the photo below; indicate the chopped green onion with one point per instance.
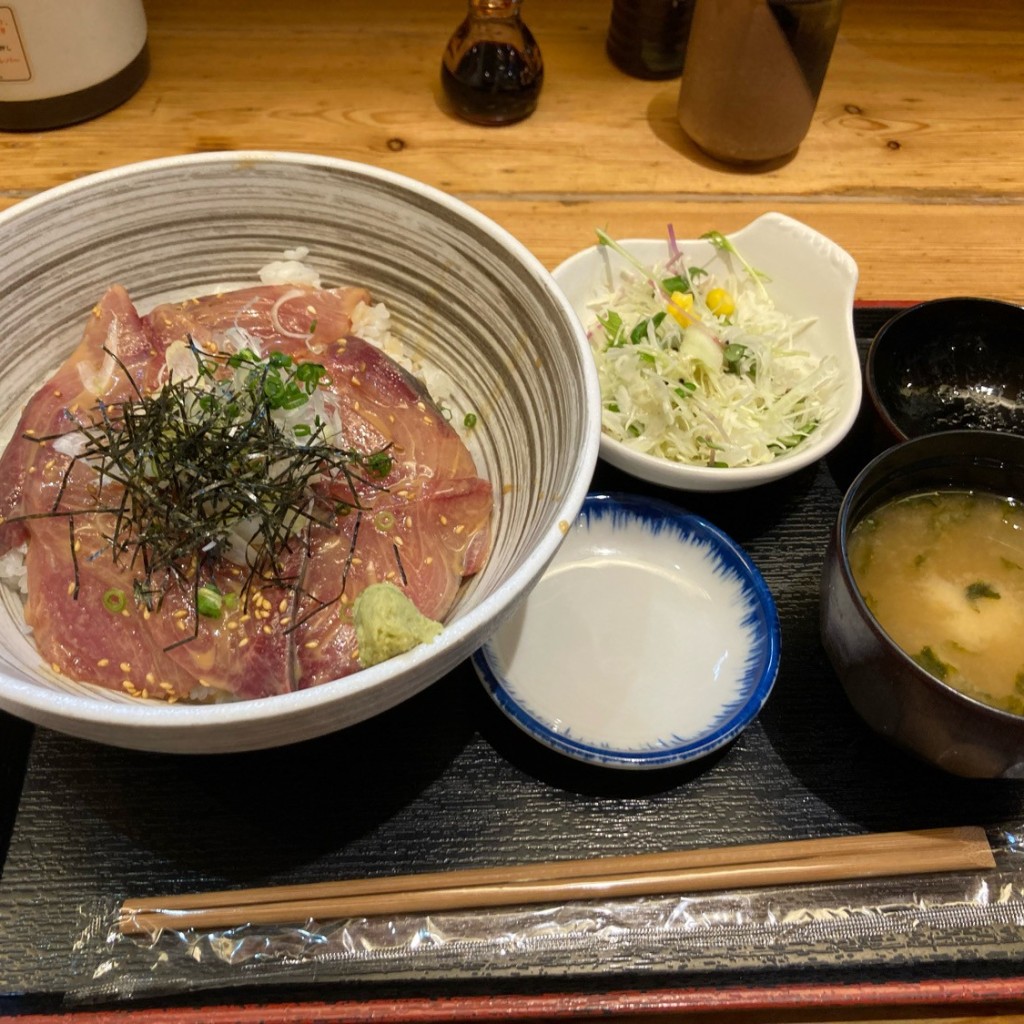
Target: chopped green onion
{"x": 469, "y": 421}
{"x": 214, "y": 436}
{"x": 378, "y": 464}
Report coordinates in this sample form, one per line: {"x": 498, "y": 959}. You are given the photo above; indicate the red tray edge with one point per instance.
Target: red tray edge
{"x": 1006, "y": 994}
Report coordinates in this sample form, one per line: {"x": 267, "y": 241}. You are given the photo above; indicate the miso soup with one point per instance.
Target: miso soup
{"x": 943, "y": 573}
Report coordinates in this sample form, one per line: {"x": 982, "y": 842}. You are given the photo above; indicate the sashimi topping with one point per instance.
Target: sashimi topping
{"x": 206, "y": 490}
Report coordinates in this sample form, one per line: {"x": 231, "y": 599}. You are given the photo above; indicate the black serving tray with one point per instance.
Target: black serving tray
{"x": 445, "y": 781}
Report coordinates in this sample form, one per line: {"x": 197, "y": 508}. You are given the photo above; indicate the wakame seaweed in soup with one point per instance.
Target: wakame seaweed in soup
{"x": 943, "y": 573}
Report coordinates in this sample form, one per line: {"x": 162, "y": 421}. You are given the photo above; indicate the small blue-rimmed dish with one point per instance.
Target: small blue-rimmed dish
{"x": 650, "y": 641}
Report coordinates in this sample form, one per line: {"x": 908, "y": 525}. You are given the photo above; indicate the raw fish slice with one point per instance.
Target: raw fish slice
{"x": 273, "y": 314}
{"x": 424, "y": 547}
{"x": 423, "y": 526}
{"x": 89, "y": 375}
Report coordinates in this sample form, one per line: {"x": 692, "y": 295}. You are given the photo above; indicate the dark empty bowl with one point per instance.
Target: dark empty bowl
{"x": 888, "y": 689}
{"x": 949, "y": 364}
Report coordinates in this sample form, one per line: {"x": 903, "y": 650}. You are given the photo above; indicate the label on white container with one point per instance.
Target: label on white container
{"x": 52, "y": 48}
{"x": 13, "y": 62}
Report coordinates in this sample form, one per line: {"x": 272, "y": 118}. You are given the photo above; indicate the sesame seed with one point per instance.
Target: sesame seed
{"x": 126, "y": 666}
{"x": 103, "y": 662}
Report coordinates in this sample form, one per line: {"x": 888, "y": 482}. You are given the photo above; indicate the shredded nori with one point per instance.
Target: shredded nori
{"x": 181, "y": 468}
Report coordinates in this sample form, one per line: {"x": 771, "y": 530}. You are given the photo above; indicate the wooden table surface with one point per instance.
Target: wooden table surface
{"x": 914, "y": 162}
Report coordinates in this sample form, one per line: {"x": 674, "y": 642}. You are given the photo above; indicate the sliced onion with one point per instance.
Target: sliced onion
{"x": 293, "y": 293}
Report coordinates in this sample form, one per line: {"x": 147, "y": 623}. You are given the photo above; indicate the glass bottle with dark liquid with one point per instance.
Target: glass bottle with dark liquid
{"x": 647, "y": 38}
{"x": 492, "y": 70}
{"x": 753, "y": 72}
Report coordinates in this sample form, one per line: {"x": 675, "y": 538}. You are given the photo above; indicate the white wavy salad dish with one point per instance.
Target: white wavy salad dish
{"x": 807, "y": 275}
{"x": 470, "y": 303}
{"x": 652, "y": 640}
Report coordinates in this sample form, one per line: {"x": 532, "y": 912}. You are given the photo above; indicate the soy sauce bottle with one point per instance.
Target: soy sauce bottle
{"x": 492, "y": 70}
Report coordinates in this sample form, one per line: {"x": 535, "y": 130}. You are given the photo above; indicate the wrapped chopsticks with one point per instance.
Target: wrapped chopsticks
{"x": 720, "y": 868}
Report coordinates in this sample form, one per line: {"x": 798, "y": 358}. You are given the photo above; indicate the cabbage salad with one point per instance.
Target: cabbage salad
{"x": 700, "y": 367}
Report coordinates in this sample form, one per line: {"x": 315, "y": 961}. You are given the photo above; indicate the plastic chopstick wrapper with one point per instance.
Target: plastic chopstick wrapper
{"x": 860, "y": 922}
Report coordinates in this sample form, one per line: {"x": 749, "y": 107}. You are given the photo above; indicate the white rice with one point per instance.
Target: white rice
{"x": 290, "y": 269}
{"x": 13, "y": 573}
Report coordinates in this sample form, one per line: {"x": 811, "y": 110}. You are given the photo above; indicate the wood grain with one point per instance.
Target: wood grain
{"x": 914, "y": 162}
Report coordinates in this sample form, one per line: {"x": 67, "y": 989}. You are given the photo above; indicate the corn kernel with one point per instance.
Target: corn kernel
{"x": 720, "y": 302}
{"x": 680, "y": 303}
